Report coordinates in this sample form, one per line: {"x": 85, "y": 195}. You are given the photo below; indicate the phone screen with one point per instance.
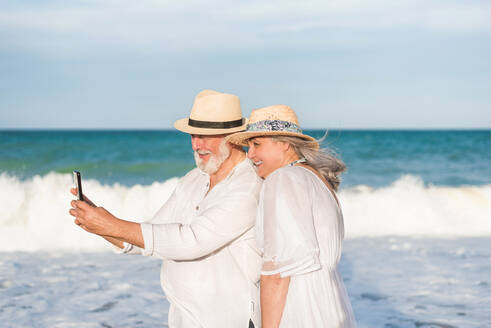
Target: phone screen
{"x": 77, "y": 181}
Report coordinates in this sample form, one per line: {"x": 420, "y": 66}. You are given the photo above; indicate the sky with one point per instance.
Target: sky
{"x": 350, "y": 64}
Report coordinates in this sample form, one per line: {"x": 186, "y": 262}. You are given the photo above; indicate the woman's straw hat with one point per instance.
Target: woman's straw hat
{"x": 276, "y": 120}
{"x": 213, "y": 113}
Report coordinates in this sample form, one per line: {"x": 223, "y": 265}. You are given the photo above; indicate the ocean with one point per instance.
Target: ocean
{"x": 417, "y": 209}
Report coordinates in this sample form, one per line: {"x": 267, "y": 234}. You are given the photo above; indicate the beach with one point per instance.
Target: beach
{"x": 392, "y": 282}
{"x": 416, "y": 207}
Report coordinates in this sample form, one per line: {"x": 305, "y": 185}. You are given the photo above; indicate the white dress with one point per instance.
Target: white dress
{"x": 300, "y": 230}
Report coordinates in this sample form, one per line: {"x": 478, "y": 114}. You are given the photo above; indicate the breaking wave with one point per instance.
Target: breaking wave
{"x": 34, "y": 213}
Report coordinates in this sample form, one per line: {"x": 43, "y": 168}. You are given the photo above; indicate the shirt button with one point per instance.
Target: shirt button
{"x": 197, "y": 207}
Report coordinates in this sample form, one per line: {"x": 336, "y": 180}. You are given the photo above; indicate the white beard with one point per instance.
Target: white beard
{"x": 215, "y": 161}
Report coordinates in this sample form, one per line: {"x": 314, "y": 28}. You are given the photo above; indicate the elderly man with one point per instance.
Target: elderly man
{"x": 203, "y": 233}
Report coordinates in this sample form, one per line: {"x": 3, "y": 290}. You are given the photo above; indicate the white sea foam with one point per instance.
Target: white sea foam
{"x": 34, "y": 213}
{"x": 408, "y": 208}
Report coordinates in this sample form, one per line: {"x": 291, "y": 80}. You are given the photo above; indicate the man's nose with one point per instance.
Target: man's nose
{"x": 196, "y": 142}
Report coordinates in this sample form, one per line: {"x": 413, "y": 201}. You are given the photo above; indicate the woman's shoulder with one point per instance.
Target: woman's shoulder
{"x": 293, "y": 175}
{"x": 295, "y": 171}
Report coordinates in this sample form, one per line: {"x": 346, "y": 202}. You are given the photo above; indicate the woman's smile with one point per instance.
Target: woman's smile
{"x": 268, "y": 155}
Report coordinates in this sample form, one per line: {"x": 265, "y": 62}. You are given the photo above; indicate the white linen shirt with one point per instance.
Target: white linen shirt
{"x": 211, "y": 265}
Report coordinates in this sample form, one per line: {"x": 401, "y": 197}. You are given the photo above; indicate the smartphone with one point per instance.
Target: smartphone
{"x": 77, "y": 181}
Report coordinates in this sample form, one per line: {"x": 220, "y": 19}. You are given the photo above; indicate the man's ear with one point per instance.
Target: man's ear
{"x": 234, "y": 146}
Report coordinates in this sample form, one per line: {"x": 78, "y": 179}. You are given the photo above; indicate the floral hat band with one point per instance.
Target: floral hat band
{"x": 273, "y": 125}
{"x": 276, "y": 120}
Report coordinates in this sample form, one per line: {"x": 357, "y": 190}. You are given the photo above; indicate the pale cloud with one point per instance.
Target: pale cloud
{"x": 179, "y": 26}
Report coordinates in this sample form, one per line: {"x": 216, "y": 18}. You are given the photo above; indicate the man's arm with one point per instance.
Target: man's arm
{"x": 222, "y": 222}
{"x": 99, "y": 221}
{"x": 116, "y": 242}
{"x": 273, "y": 291}
{"x": 225, "y": 220}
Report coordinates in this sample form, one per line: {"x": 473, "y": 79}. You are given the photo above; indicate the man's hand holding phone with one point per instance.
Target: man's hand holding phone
{"x": 99, "y": 221}
{"x": 87, "y": 215}
{"x": 77, "y": 191}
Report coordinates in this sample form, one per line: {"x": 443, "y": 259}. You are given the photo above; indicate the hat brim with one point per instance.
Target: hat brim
{"x": 241, "y": 138}
{"x": 183, "y": 125}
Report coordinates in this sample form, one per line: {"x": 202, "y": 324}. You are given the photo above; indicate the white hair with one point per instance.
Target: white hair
{"x": 215, "y": 160}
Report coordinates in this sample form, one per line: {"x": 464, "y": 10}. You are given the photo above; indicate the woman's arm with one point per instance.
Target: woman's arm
{"x": 274, "y": 290}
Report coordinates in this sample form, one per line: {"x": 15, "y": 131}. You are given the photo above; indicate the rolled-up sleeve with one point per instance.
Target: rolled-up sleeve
{"x": 128, "y": 249}
{"x": 146, "y": 228}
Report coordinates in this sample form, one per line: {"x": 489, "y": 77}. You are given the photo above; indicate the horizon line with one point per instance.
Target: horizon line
{"x": 304, "y": 129}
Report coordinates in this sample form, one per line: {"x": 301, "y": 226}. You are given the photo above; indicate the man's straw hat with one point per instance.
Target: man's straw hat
{"x": 213, "y": 113}
{"x": 276, "y": 120}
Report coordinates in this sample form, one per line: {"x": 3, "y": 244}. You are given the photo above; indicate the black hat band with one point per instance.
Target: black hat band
{"x": 215, "y": 125}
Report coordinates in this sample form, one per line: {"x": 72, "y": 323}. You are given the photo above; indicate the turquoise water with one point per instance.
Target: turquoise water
{"x": 416, "y": 252}
{"x": 374, "y": 158}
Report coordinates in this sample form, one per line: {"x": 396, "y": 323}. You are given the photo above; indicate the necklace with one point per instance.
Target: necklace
{"x": 301, "y": 160}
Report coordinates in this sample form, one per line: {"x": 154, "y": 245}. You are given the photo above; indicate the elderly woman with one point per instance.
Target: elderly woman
{"x": 299, "y": 223}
